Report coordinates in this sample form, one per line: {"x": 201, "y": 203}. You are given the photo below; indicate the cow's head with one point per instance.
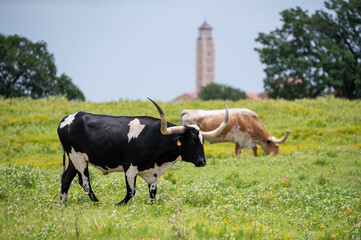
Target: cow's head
{"x": 189, "y": 139}
{"x": 190, "y": 145}
{"x": 272, "y": 144}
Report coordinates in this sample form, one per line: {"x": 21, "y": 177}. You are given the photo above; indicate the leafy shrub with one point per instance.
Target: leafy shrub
{"x": 218, "y": 91}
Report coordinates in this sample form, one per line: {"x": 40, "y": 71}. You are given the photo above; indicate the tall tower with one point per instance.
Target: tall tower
{"x": 205, "y": 57}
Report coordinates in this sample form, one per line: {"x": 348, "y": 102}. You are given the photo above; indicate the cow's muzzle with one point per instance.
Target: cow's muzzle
{"x": 200, "y": 163}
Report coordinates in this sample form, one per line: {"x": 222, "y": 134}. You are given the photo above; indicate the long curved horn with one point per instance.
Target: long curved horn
{"x": 164, "y": 129}
{"x": 283, "y": 139}
{"x": 219, "y": 129}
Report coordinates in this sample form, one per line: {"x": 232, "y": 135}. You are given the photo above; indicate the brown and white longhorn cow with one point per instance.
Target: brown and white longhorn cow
{"x": 244, "y": 128}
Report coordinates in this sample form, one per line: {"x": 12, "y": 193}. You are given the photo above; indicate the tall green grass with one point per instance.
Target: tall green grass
{"x": 311, "y": 191}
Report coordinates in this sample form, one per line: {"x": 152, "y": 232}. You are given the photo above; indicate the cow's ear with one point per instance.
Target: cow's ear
{"x": 177, "y": 138}
{"x": 268, "y": 141}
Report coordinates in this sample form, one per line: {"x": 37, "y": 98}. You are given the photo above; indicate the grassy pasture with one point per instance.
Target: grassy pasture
{"x": 311, "y": 191}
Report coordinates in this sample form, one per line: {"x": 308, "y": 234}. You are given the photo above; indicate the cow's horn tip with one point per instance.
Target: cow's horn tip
{"x": 227, "y": 113}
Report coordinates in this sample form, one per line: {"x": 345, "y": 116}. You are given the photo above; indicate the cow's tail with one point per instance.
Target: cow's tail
{"x": 64, "y": 166}
{"x": 184, "y": 112}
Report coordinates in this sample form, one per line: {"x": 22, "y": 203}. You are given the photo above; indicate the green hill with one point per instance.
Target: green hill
{"x": 312, "y": 190}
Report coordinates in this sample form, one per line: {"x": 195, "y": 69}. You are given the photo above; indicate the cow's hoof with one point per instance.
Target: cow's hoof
{"x": 121, "y": 203}
{"x": 95, "y": 199}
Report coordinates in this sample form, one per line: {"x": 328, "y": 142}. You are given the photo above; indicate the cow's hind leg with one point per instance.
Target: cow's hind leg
{"x": 66, "y": 179}
{"x": 80, "y": 161}
{"x": 84, "y": 181}
{"x": 152, "y": 191}
{"x": 130, "y": 180}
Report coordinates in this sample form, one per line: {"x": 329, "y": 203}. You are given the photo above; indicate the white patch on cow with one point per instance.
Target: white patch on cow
{"x": 80, "y": 161}
{"x": 151, "y": 175}
{"x": 63, "y": 197}
{"x": 153, "y": 186}
{"x": 69, "y": 119}
{"x": 244, "y": 139}
{"x": 135, "y": 129}
{"x": 199, "y": 134}
{"x": 131, "y": 173}
{"x": 108, "y": 170}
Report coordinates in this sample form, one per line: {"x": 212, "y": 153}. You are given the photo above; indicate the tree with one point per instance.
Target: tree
{"x": 321, "y": 52}
{"x": 64, "y": 86}
{"x": 28, "y": 69}
{"x": 219, "y": 91}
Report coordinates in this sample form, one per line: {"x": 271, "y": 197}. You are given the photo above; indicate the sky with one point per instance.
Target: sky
{"x": 134, "y": 49}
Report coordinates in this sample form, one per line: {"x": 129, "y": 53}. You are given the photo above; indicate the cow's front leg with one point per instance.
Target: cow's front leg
{"x": 152, "y": 191}
{"x": 255, "y": 151}
{"x": 130, "y": 180}
{"x": 237, "y": 149}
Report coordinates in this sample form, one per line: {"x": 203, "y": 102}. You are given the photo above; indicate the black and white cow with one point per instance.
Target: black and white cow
{"x": 143, "y": 146}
